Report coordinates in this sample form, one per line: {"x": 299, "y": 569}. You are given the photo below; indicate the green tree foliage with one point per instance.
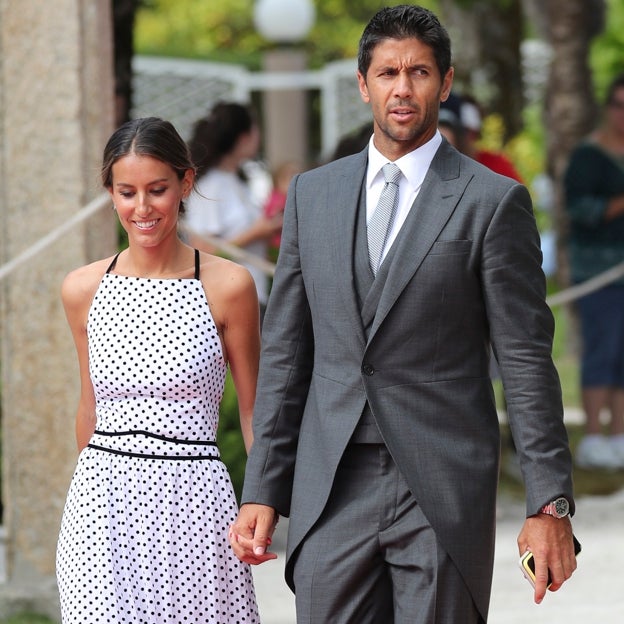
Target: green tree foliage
{"x": 223, "y": 30}
{"x": 208, "y": 29}
{"x": 607, "y": 59}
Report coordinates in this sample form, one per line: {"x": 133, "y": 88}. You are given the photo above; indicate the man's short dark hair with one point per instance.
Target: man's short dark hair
{"x": 405, "y": 21}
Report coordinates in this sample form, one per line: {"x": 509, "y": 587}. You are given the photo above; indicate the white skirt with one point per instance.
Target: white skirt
{"x": 144, "y": 539}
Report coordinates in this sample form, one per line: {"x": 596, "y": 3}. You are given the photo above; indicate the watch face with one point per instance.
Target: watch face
{"x": 562, "y": 507}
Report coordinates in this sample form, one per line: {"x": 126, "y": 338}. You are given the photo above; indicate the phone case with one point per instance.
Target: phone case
{"x": 527, "y": 564}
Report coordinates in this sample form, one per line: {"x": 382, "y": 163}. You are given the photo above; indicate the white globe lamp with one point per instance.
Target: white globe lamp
{"x": 284, "y": 21}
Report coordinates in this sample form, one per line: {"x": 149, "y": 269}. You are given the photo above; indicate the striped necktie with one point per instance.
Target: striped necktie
{"x": 381, "y": 221}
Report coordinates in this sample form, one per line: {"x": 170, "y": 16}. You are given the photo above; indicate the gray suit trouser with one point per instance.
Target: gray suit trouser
{"x": 372, "y": 557}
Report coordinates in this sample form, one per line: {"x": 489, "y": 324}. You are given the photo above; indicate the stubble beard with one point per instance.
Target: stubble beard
{"x": 417, "y": 133}
{"x": 406, "y": 135}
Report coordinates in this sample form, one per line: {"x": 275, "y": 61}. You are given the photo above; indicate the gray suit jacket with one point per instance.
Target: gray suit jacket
{"x": 466, "y": 274}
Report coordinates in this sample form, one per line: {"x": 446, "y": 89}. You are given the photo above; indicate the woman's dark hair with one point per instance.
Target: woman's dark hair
{"x": 149, "y": 136}
{"x": 405, "y": 21}
{"x": 353, "y": 142}
{"x": 216, "y": 135}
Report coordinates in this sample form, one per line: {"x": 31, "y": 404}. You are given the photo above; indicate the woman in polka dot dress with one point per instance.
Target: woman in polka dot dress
{"x": 144, "y": 532}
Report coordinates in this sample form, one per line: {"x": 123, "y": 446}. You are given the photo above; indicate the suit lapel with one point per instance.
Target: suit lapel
{"x": 343, "y": 196}
{"x": 436, "y": 201}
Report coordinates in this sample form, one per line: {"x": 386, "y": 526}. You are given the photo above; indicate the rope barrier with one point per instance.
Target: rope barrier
{"x": 589, "y": 286}
{"x": 103, "y": 200}
{"x": 241, "y": 255}
{"x": 90, "y": 209}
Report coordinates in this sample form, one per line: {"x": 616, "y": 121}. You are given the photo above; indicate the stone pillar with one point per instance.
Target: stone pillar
{"x": 285, "y": 112}
{"x": 56, "y": 112}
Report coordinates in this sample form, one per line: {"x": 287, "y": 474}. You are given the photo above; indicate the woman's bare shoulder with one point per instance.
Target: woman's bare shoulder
{"x": 225, "y": 283}
{"x": 80, "y": 284}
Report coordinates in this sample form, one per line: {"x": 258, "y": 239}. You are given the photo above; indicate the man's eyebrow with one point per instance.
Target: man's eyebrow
{"x": 413, "y": 66}
{"x": 386, "y": 67}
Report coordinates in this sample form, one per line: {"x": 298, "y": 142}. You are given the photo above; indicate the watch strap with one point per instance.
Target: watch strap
{"x": 558, "y": 508}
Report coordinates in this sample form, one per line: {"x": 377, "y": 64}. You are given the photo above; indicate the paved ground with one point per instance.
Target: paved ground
{"x": 594, "y": 594}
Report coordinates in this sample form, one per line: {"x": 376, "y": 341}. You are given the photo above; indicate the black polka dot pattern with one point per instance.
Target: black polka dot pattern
{"x": 144, "y": 532}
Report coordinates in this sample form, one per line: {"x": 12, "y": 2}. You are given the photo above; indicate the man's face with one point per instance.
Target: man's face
{"x": 404, "y": 88}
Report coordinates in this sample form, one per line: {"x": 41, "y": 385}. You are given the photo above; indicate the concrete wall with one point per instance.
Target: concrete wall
{"x": 56, "y": 111}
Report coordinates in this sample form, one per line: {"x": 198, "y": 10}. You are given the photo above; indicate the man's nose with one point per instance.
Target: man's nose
{"x": 403, "y": 85}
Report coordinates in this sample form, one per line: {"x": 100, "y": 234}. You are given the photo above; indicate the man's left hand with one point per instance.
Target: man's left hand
{"x": 550, "y": 541}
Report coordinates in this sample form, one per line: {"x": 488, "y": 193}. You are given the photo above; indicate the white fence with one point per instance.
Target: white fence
{"x": 182, "y": 91}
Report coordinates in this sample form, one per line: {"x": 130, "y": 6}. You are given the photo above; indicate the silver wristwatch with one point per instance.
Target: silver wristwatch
{"x": 559, "y": 508}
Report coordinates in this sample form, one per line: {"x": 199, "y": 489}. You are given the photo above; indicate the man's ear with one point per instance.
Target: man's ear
{"x": 363, "y": 88}
{"x": 447, "y": 85}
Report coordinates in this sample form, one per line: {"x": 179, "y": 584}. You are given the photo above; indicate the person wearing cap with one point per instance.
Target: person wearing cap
{"x": 472, "y": 121}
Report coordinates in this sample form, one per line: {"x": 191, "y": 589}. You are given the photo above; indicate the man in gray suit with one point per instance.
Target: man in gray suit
{"x": 375, "y": 428}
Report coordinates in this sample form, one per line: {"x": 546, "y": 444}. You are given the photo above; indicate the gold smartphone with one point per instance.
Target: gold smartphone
{"x": 527, "y": 564}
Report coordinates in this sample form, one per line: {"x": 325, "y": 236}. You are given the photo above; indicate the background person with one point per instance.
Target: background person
{"x": 450, "y": 127}
{"x": 375, "y": 428}
{"x": 472, "y": 121}
{"x": 222, "y": 204}
{"x": 144, "y": 530}
{"x": 353, "y": 142}
{"x": 594, "y": 188}
{"x": 276, "y": 202}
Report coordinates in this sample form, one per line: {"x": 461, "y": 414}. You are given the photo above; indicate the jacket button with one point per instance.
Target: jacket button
{"x": 367, "y": 369}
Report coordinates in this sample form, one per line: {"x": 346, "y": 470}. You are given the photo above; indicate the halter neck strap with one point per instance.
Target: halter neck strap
{"x": 111, "y": 266}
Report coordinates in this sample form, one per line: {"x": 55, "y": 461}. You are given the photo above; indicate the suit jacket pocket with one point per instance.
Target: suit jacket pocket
{"x": 450, "y": 247}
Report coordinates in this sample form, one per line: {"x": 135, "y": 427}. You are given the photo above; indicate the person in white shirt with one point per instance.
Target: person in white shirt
{"x": 222, "y": 203}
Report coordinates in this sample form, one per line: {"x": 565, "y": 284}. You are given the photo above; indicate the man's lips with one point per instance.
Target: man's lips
{"x": 402, "y": 112}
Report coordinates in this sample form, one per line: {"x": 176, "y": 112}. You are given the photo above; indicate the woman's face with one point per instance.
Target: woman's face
{"x": 147, "y": 193}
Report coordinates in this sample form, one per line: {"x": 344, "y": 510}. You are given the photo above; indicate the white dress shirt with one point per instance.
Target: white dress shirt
{"x": 413, "y": 166}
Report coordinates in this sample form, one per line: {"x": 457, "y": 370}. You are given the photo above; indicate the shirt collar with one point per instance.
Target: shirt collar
{"x": 414, "y": 165}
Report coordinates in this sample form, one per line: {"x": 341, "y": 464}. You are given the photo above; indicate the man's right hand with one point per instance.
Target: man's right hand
{"x": 250, "y": 535}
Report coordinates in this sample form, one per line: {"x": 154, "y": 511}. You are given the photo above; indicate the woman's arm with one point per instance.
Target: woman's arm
{"x": 77, "y": 293}
{"x": 237, "y": 313}
{"x": 262, "y": 229}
